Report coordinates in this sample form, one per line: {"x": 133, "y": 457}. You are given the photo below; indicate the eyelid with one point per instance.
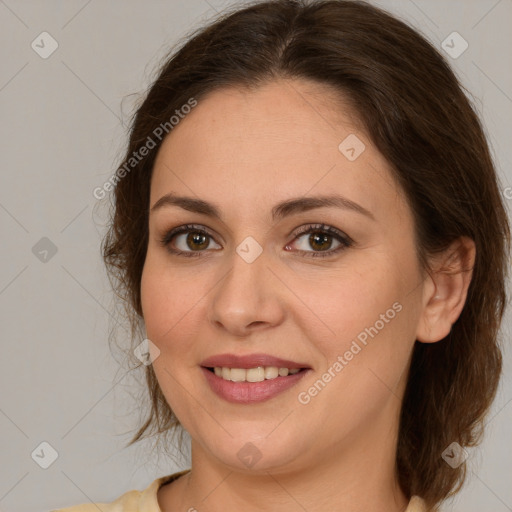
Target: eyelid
{"x": 344, "y": 240}
{"x": 165, "y": 240}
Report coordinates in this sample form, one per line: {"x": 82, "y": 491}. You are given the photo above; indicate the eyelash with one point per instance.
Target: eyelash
{"x": 345, "y": 241}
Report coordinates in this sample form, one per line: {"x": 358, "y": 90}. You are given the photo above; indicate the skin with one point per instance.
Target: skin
{"x": 245, "y": 151}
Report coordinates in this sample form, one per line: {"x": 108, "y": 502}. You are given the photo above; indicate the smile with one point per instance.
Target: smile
{"x": 258, "y": 374}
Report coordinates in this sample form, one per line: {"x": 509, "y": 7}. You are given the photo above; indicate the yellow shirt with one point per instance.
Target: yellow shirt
{"x": 146, "y": 500}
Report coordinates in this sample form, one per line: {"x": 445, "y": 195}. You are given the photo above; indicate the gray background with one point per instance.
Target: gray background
{"x": 62, "y": 133}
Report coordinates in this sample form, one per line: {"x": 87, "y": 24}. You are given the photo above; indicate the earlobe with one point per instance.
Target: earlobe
{"x": 446, "y": 294}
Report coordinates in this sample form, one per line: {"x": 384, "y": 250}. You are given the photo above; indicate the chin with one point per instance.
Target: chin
{"x": 256, "y": 454}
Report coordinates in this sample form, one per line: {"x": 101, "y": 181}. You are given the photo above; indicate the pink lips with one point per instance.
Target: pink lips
{"x": 250, "y": 361}
{"x": 250, "y": 392}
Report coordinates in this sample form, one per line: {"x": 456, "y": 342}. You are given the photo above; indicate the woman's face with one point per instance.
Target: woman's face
{"x": 256, "y": 285}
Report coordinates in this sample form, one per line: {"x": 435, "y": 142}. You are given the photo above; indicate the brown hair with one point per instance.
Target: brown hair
{"x": 416, "y": 113}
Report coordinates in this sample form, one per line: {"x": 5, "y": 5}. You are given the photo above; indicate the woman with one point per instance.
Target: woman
{"x": 308, "y": 225}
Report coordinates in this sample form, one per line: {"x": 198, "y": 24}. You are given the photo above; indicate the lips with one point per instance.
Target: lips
{"x": 251, "y": 392}
{"x": 250, "y": 361}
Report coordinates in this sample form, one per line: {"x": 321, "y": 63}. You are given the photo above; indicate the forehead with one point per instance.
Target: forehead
{"x": 253, "y": 147}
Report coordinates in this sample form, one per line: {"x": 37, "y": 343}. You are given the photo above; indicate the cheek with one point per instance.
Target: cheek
{"x": 171, "y": 302}
{"x": 153, "y": 300}
{"x": 367, "y": 318}
{"x": 344, "y": 303}
{"x": 168, "y": 311}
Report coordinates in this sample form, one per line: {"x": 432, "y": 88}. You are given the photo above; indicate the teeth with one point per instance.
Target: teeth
{"x": 237, "y": 374}
{"x": 258, "y": 374}
{"x": 254, "y": 374}
{"x": 271, "y": 372}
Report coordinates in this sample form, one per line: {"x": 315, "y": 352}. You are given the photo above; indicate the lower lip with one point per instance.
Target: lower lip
{"x": 251, "y": 392}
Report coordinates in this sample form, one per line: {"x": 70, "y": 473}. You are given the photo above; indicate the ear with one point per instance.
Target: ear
{"x": 445, "y": 291}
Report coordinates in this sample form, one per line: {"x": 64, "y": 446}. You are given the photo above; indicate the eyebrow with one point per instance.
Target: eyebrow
{"x": 279, "y": 211}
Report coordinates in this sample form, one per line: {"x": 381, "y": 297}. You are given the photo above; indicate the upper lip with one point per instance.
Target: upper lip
{"x": 250, "y": 361}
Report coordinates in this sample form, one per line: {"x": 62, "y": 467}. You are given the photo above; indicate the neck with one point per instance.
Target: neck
{"x": 354, "y": 476}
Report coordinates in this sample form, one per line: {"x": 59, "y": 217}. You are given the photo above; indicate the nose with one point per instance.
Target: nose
{"x": 247, "y": 298}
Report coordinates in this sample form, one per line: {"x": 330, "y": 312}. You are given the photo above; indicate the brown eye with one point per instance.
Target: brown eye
{"x": 191, "y": 240}
{"x": 187, "y": 240}
{"x": 320, "y": 239}
{"x": 197, "y": 241}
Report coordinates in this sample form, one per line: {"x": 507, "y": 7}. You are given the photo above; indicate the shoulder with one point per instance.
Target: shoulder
{"x": 417, "y": 504}
{"x": 130, "y": 501}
